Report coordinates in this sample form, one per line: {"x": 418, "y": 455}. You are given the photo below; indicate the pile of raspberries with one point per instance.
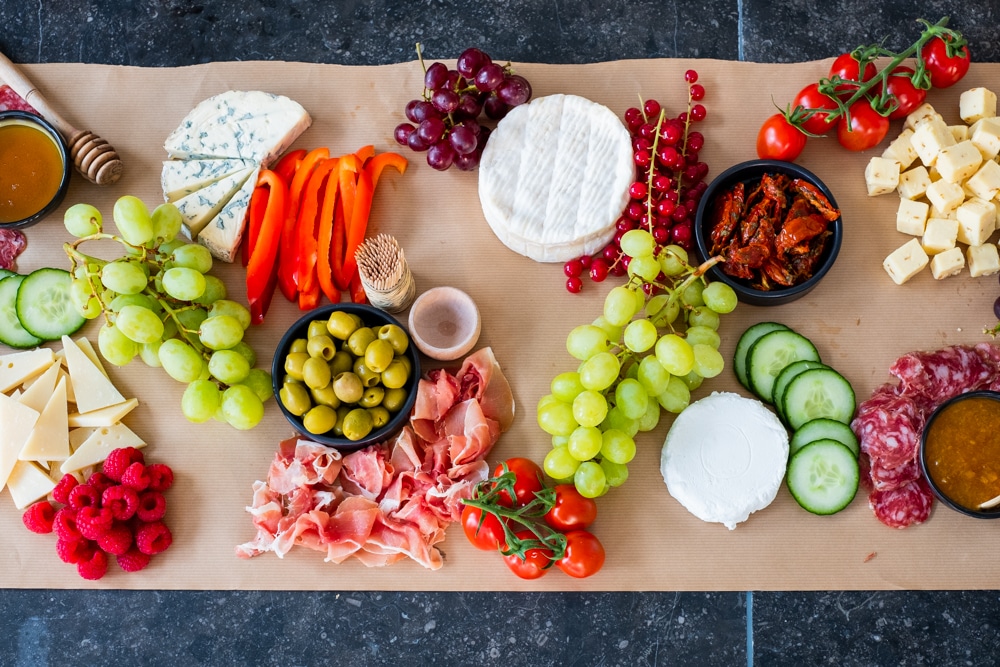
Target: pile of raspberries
{"x": 118, "y": 512}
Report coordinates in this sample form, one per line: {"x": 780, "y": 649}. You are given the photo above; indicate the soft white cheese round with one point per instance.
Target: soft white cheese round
{"x": 724, "y": 458}
{"x": 554, "y": 177}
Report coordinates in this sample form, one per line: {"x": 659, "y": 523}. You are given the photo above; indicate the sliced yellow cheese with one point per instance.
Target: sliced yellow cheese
{"x": 70, "y": 394}
{"x": 101, "y": 443}
{"x": 103, "y": 417}
{"x": 93, "y": 389}
{"x": 49, "y": 440}
{"x": 37, "y": 395}
{"x": 20, "y": 366}
{"x": 28, "y": 483}
{"x": 79, "y": 435}
{"x": 85, "y": 346}
{"x": 16, "y": 423}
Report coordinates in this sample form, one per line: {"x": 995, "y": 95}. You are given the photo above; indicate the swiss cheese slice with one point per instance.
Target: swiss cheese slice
{"x": 223, "y": 233}
{"x": 37, "y": 395}
{"x": 88, "y": 349}
{"x": 20, "y": 366}
{"x": 28, "y": 483}
{"x": 49, "y": 440}
{"x": 79, "y": 435}
{"x": 199, "y": 207}
{"x": 103, "y": 417}
{"x": 16, "y": 423}
{"x": 554, "y": 177}
{"x": 180, "y": 178}
{"x": 101, "y": 442}
{"x": 92, "y": 388}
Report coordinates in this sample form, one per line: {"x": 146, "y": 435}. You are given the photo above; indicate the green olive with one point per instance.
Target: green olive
{"x": 315, "y": 373}
{"x": 295, "y": 398}
{"x": 372, "y": 397}
{"x": 359, "y": 340}
{"x": 395, "y": 336}
{"x": 321, "y": 346}
{"x": 395, "y": 375}
{"x": 288, "y": 379}
{"x": 369, "y": 378}
{"x": 338, "y": 428}
{"x": 380, "y": 416}
{"x": 394, "y": 399}
{"x": 341, "y": 325}
{"x": 320, "y": 419}
{"x": 341, "y": 362}
{"x": 405, "y": 360}
{"x": 378, "y": 355}
{"x": 357, "y": 424}
{"x": 298, "y": 345}
{"x": 348, "y": 387}
{"x": 325, "y": 396}
{"x": 294, "y": 363}
{"x": 316, "y": 328}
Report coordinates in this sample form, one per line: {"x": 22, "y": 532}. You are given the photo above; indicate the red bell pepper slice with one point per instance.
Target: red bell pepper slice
{"x": 309, "y": 299}
{"x": 258, "y": 203}
{"x": 358, "y": 225}
{"x": 261, "y": 270}
{"x": 289, "y": 164}
{"x": 350, "y": 167}
{"x": 357, "y": 289}
{"x": 383, "y": 160}
{"x": 329, "y": 217}
{"x": 288, "y": 259}
{"x": 305, "y": 270}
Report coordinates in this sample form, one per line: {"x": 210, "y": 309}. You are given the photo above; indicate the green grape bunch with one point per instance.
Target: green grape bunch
{"x": 160, "y": 304}
{"x": 655, "y": 342}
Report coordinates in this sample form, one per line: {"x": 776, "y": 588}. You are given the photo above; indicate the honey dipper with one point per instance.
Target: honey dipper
{"x": 94, "y": 157}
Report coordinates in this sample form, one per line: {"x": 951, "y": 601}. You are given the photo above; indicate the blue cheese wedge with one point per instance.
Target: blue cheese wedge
{"x": 724, "y": 458}
{"x": 223, "y": 233}
{"x": 554, "y": 177}
{"x": 180, "y": 178}
{"x": 198, "y": 208}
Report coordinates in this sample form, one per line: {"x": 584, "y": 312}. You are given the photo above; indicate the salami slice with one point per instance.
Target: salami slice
{"x": 939, "y": 375}
{"x": 11, "y": 101}
{"x": 907, "y": 505}
{"x": 12, "y": 242}
{"x": 887, "y": 479}
{"x": 888, "y": 427}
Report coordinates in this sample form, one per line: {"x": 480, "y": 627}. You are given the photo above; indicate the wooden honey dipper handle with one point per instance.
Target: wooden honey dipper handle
{"x": 94, "y": 158}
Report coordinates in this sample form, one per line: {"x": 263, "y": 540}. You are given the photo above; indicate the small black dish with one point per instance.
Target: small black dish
{"x": 42, "y": 125}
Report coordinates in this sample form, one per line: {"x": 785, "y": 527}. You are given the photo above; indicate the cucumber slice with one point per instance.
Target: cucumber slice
{"x": 823, "y": 477}
{"x": 6, "y": 273}
{"x": 769, "y": 355}
{"x": 12, "y": 333}
{"x": 748, "y": 338}
{"x": 44, "y": 305}
{"x": 824, "y": 429}
{"x": 820, "y": 392}
{"x": 785, "y": 376}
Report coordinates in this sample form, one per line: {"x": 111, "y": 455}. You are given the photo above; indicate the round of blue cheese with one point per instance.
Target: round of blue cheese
{"x": 554, "y": 177}
{"x": 724, "y": 458}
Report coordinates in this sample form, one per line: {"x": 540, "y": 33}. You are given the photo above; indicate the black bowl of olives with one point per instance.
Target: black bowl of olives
{"x": 346, "y": 376}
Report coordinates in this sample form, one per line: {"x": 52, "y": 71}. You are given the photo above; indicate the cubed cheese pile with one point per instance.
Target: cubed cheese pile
{"x": 948, "y": 180}
{"x": 59, "y": 413}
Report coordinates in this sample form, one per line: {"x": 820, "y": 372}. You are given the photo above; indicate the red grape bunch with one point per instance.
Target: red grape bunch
{"x": 668, "y": 186}
{"x": 445, "y": 121}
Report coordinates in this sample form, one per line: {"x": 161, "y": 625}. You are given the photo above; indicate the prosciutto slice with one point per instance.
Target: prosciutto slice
{"x": 393, "y": 500}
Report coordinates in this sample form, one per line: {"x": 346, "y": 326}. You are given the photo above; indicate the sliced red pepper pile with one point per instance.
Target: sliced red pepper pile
{"x": 308, "y": 215}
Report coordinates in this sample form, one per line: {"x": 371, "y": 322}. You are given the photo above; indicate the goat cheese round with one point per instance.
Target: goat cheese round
{"x": 554, "y": 177}
{"x": 724, "y": 458}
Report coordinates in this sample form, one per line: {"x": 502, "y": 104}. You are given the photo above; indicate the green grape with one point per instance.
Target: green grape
{"x": 640, "y": 335}
{"x": 241, "y": 407}
{"x": 166, "y": 249}
{"x": 139, "y": 324}
{"x": 617, "y": 420}
{"x": 584, "y": 443}
{"x": 91, "y": 309}
{"x": 232, "y": 308}
{"x": 617, "y": 446}
{"x": 619, "y": 306}
{"x": 557, "y": 418}
{"x": 613, "y": 332}
{"x": 560, "y": 440}
{"x": 192, "y": 256}
{"x": 615, "y": 474}
{"x": 590, "y": 479}
{"x": 220, "y": 332}
{"x": 115, "y": 346}
{"x": 82, "y": 220}
{"x": 169, "y": 328}
{"x": 640, "y": 299}
{"x": 589, "y": 408}
{"x": 631, "y": 398}
{"x": 675, "y": 354}
{"x": 646, "y": 267}
{"x": 124, "y": 277}
{"x": 547, "y": 400}
{"x": 703, "y": 316}
{"x": 598, "y": 372}
{"x": 181, "y": 361}
{"x": 651, "y": 418}
{"x": 720, "y": 297}
{"x": 652, "y": 375}
{"x": 192, "y": 318}
{"x": 183, "y": 283}
{"x": 692, "y": 380}
{"x": 691, "y": 296}
{"x": 585, "y": 341}
{"x": 673, "y": 260}
{"x": 142, "y": 300}
{"x": 201, "y": 400}
{"x": 637, "y": 243}
{"x": 559, "y": 463}
{"x": 215, "y": 289}
{"x": 133, "y": 220}
{"x": 661, "y": 310}
{"x": 247, "y": 352}
{"x": 260, "y": 382}
{"x": 80, "y": 292}
{"x": 150, "y": 353}
{"x": 707, "y": 361}
{"x": 704, "y": 335}
{"x": 228, "y": 366}
{"x": 566, "y": 386}
{"x": 166, "y": 221}
{"x": 676, "y": 397}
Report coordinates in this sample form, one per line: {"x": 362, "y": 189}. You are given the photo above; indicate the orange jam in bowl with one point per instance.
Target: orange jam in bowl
{"x": 960, "y": 452}
{"x": 34, "y": 169}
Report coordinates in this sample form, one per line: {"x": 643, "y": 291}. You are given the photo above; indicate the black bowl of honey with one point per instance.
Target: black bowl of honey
{"x": 960, "y": 453}
{"x": 34, "y": 169}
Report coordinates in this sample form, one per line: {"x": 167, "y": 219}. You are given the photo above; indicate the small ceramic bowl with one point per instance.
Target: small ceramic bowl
{"x": 371, "y": 317}
{"x": 946, "y": 434}
{"x": 750, "y": 174}
{"x": 34, "y": 147}
{"x": 444, "y": 323}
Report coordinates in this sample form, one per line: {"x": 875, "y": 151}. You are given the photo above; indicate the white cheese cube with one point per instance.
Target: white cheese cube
{"x": 905, "y": 261}
{"x": 881, "y": 176}
{"x": 956, "y": 163}
{"x": 940, "y": 234}
{"x": 930, "y": 138}
{"x": 913, "y": 182}
{"x": 901, "y": 150}
{"x": 984, "y": 260}
{"x": 948, "y": 263}
{"x": 985, "y": 135}
{"x": 922, "y": 113}
{"x": 935, "y": 212}
{"x": 977, "y": 220}
{"x": 960, "y": 132}
{"x": 911, "y": 217}
{"x": 944, "y": 195}
{"x": 985, "y": 183}
{"x": 977, "y": 103}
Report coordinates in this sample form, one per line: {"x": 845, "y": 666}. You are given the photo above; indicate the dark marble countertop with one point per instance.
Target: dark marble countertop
{"x": 374, "y": 628}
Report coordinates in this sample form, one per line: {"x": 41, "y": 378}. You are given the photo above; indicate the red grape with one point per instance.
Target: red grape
{"x": 435, "y": 76}
{"x": 444, "y": 100}
{"x": 431, "y": 130}
{"x": 495, "y": 108}
{"x": 462, "y": 139}
{"x": 441, "y": 155}
{"x": 514, "y": 90}
{"x": 402, "y": 133}
{"x": 489, "y": 77}
{"x": 471, "y": 61}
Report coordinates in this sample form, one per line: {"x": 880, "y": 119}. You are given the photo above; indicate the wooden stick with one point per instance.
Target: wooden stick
{"x": 94, "y": 158}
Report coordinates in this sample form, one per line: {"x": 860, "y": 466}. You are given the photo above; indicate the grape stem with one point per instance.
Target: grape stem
{"x": 190, "y": 335}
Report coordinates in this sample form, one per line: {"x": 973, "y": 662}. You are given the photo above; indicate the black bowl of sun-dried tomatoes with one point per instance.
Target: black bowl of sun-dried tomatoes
{"x": 775, "y": 226}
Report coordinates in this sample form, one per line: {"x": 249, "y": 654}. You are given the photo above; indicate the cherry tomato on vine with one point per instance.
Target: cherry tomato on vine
{"x": 945, "y": 70}
{"x": 810, "y": 98}
{"x": 866, "y": 130}
{"x": 571, "y": 511}
{"x": 909, "y": 97}
{"x": 489, "y": 536}
{"x": 584, "y": 554}
{"x": 847, "y": 68}
{"x": 779, "y": 140}
{"x": 536, "y": 562}
{"x": 528, "y": 479}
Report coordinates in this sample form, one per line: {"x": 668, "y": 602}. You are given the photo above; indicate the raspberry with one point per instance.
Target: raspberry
{"x": 120, "y": 459}
{"x": 65, "y": 524}
{"x": 100, "y": 481}
{"x": 152, "y": 506}
{"x": 136, "y": 477}
{"x": 95, "y": 567}
{"x": 133, "y": 560}
{"x": 117, "y": 540}
{"x": 39, "y": 517}
{"x": 161, "y": 477}
{"x": 121, "y": 500}
{"x": 74, "y": 551}
{"x": 92, "y": 522}
{"x": 152, "y": 538}
{"x": 83, "y": 495}
{"x": 61, "y": 493}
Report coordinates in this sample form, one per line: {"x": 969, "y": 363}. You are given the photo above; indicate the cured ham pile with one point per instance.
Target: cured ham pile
{"x": 395, "y": 499}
